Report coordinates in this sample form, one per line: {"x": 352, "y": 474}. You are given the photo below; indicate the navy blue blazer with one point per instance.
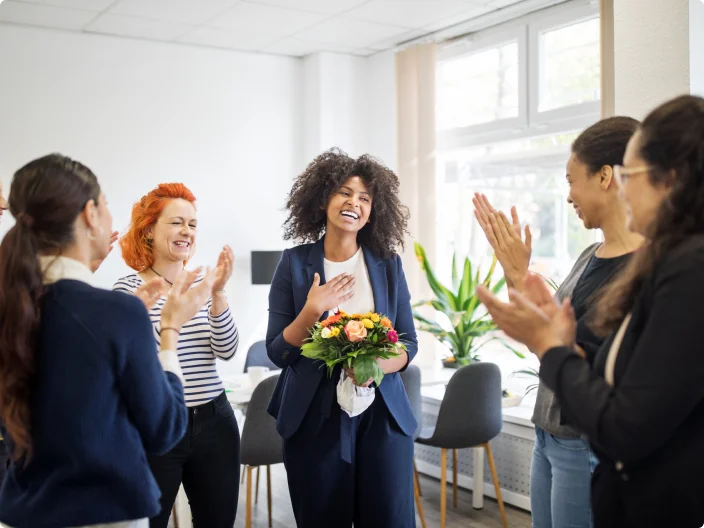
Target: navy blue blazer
{"x": 301, "y": 376}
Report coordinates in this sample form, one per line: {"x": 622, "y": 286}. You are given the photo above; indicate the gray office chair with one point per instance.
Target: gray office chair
{"x": 411, "y": 381}
{"x": 257, "y": 357}
{"x": 470, "y": 416}
{"x": 261, "y": 443}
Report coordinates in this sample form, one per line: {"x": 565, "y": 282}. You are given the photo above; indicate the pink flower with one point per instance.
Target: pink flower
{"x": 392, "y": 336}
{"x": 355, "y": 331}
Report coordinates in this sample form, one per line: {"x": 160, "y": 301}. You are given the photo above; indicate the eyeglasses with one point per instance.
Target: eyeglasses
{"x": 622, "y": 174}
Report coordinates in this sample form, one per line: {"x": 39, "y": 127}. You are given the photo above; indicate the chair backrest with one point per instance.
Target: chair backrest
{"x": 257, "y": 357}
{"x": 470, "y": 413}
{"x": 411, "y": 381}
{"x": 261, "y": 442}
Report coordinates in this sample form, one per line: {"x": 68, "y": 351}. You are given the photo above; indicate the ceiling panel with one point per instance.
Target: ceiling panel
{"x": 330, "y": 7}
{"x": 503, "y": 3}
{"x": 348, "y": 32}
{"x": 271, "y": 21}
{"x": 300, "y": 48}
{"x": 412, "y": 14}
{"x": 88, "y": 5}
{"x": 44, "y": 16}
{"x": 126, "y": 26}
{"x": 220, "y": 38}
{"x": 468, "y": 14}
{"x": 189, "y": 12}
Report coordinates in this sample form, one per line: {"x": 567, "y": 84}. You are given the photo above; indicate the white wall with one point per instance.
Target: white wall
{"x": 651, "y": 53}
{"x": 696, "y": 47}
{"x": 139, "y": 113}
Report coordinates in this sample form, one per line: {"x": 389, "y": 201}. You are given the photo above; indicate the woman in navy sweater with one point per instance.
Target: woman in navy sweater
{"x": 83, "y": 393}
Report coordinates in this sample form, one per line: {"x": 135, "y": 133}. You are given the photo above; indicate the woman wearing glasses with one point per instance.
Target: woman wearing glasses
{"x": 642, "y": 406}
{"x": 562, "y": 464}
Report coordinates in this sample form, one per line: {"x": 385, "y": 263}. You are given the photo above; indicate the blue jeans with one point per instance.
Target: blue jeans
{"x": 560, "y": 482}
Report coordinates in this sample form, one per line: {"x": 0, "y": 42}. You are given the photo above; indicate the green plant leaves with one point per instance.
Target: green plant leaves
{"x": 460, "y": 307}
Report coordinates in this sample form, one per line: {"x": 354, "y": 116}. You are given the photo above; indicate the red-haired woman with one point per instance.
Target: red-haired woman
{"x": 160, "y": 240}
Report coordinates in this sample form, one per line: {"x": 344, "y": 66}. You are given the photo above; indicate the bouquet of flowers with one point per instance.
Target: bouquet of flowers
{"x": 355, "y": 341}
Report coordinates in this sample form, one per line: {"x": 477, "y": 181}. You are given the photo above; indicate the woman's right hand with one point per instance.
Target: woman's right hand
{"x": 511, "y": 249}
{"x": 183, "y": 301}
{"x": 325, "y": 298}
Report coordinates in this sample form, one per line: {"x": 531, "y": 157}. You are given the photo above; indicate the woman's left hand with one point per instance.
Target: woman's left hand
{"x": 95, "y": 264}
{"x": 522, "y": 320}
{"x": 350, "y": 373}
{"x": 224, "y": 267}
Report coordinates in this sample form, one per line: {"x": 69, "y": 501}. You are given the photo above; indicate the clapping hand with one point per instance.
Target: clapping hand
{"x": 185, "y": 301}
{"x": 224, "y": 269}
{"x": 95, "y": 264}
{"x": 511, "y": 248}
{"x": 531, "y": 318}
{"x": 149, "y": 292}
{"x": 325, "y": 298}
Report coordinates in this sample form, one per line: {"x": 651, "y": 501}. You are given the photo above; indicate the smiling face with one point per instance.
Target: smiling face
{"x": 350, "y": 207}
{"x": 589, "y": 193}
{"x": 174, "y": 234}
{"x": 643, "y": 199}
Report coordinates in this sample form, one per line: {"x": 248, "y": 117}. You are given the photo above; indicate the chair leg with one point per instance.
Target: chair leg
{"x": 417, "y": 477}
{"x": 454, "y": 478}
{"x": 268, "y": 492}
{"x": 244, "y": 472}
{"x": 174, "y": 516}
{"x": 248, "y": 514}
{"x": 443, "y": 486}
{"x": 256, "y": 488}
{"x": 419, "y": 504}
{"x": 497, "y": 487}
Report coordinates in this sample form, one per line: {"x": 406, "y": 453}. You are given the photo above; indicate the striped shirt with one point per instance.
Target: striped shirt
{"x": 202, "y": 339}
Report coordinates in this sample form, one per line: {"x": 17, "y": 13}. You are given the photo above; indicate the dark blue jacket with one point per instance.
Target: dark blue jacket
{"x": 301, "y": 376}
{"x": 100, "y": 401}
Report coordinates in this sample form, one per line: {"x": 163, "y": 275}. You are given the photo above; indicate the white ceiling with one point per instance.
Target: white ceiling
{"x": 286, "y": 27}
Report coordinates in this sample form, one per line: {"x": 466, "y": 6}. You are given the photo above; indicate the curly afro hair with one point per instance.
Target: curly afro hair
{"x": 308, "y": 200}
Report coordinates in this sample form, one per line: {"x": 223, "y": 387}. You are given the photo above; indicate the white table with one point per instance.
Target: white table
{"x": 239, "y": 388}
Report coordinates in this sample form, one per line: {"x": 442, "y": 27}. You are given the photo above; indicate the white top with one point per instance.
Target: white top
{"x": 363, "y": 299}
{"x": 202, "y": 339}
{"x": 56, "y": 268}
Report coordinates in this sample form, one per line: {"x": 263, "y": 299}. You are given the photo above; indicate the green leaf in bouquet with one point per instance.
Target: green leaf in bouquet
{"x": 312, "y": 350}
{"x": 366, "y": 367}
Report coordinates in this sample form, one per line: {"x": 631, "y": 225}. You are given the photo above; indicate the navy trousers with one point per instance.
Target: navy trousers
{"x": 374, "y": 489}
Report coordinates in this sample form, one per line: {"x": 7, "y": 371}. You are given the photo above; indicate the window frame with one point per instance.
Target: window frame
{"x": 529, "y": 122}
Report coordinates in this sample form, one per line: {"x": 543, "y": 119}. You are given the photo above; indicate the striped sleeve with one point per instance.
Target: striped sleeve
{"x": 224, "y": 336}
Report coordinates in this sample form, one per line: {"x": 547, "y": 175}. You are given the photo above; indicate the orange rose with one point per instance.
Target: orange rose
{"x": 331, "y": 320}
{"x": 385, "y": 322}
{"x": 355, "y": 331}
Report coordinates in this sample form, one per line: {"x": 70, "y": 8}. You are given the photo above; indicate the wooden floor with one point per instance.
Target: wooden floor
{"x": 463, "y": 516}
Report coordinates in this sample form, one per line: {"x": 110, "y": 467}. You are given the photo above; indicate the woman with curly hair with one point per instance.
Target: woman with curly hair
{"x": 347, "y": 215}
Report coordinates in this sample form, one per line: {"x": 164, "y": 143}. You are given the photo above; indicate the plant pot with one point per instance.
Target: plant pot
{"x": 454, "y": 363}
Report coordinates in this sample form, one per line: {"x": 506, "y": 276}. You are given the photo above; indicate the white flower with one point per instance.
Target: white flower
{"x": 326, "y": 333}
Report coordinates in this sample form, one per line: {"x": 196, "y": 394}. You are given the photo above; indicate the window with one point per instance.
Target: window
{"x": 510, "y": 101}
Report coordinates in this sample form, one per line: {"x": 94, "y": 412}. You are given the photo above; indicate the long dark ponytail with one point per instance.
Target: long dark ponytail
{"x": 46, "y": 197}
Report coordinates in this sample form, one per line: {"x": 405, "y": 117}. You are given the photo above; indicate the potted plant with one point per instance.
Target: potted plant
{"x": 466, "y": 324}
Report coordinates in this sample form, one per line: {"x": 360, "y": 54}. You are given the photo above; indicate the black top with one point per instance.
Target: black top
{"x": 597, "y": 273}
{"x": 648, "y": 430}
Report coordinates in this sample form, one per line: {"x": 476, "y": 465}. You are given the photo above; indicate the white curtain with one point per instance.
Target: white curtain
{"x": 415, "y": 99}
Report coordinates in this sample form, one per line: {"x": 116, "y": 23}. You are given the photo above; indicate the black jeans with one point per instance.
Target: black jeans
{"x": 207, "y": 461}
